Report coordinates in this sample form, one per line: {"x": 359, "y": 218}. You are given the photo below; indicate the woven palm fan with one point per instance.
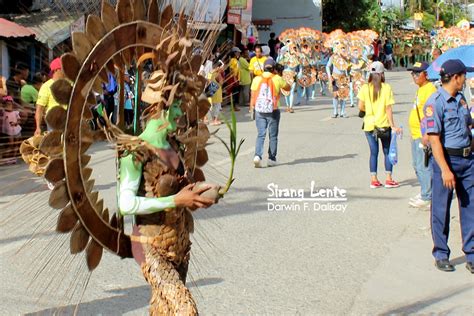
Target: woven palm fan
{"x": 122, "y": 36}
{"x": 288, "y": 36}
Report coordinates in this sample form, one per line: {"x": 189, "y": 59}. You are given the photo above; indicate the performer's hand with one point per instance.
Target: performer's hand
{"x": 38, "y": 132}
{"x": 193, "y": 200}
{"x": 449, "y": 181}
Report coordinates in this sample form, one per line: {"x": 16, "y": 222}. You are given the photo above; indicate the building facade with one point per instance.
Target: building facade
{"x": 278, "y": 15}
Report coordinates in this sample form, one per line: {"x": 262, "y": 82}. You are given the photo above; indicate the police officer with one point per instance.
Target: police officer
{"x": 448, "y": 123}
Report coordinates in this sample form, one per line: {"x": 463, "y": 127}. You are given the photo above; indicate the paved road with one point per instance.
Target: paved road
{"x": 372, "y": 258}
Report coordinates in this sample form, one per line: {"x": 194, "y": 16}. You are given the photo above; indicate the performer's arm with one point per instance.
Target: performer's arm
{"x": 129, "y": 202}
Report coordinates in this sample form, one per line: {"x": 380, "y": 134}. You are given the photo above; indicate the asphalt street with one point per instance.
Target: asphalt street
{"x": 344, "y": 249}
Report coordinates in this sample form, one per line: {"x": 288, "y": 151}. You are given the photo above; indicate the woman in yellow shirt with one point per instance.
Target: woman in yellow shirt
{"x": 376, "y": 100}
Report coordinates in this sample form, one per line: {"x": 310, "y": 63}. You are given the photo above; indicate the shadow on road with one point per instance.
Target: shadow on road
{"x": 127, "y": 300}
{"x": 319, "y": 159}
{"x": 419, "y": 305}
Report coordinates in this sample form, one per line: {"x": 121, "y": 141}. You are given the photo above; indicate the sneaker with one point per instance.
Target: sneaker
{"x": 420, "y": 203}
{"x": 291, "y": 110}
{"x": 334, "y": 116}
{"x": 416, "y": 197}
{"x": 257, "y": 162}
{"x": 375, "y": 184}
{"x": 272, "y": 163}
{"x": 391, "y": 184}
{"x": 343, "y": 116}
{"x": 352, "y": 105}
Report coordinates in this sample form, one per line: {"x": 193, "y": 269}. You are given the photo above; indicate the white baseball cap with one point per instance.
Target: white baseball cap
{"x": 377, "y": 68}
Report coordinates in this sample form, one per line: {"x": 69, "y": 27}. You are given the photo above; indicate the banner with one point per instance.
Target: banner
{"x": 238, "y": 4}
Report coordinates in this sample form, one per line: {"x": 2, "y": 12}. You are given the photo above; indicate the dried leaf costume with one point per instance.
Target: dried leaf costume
{"x": 153, "y": 166}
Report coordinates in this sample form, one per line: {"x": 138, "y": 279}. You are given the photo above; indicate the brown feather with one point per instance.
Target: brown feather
{"x": 55, "y": 170}
{"x": 67, "y": 219}
{"x": 109, "y": 16}
{"x": 59, "y": 196}
{"x": 93, "y": 254}
{"x": 70, "y": 65}
{"x": 166, "y": 16}
{"x": 81, "y": 45}
{"x": 105, "y": 215}
{"x": 79, "y": 239}
{"x": 138, "y": 10}
{"x": 56, "y": 117}
{"x": 153, "y": 12}
{"x": 61, "y": 90}
{"x": 202, "y": 158}
{"x": 86, "y": 173}
{"x": 95, "y": 29}
{"x": 124, "y": 11}
{"x": 51, "y": 144}
{"x": 85, "y": 160}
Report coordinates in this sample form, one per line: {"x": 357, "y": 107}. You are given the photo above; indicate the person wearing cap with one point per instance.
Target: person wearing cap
{"x": 376, "y": 101}
{"x": 257, "y": 62}
{"x": 46, "y": 100}
{"x": 448, "y": 124}
{"x": 267, "y": 119}
{"x": 419, "y": 144}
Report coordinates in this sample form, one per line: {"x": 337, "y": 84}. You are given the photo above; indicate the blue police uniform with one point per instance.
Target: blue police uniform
{"x": 450, "y": 118}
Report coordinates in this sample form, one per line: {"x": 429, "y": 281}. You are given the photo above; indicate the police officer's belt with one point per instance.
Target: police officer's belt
{"x": 463, "y": 152}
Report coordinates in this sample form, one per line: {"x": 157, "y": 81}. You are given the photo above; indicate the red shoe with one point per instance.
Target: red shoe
{"x": 391, "y": 184}
{"x": 375, "y": 184}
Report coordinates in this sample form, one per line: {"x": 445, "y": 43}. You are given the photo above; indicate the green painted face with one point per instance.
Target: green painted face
{"x": 154, "y": 132}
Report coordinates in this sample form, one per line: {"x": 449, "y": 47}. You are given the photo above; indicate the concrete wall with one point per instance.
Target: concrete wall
{"x": 287, "y": 14}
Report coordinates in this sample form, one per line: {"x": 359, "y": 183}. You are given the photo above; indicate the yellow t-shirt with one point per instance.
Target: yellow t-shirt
{"x": 256, "y": 65}
{"x": 277, "y": 81}
{"x": 376, "y": 113}
{"x": 234, "y": 68}
{"x": 45, "y": 97}
{"x": 422, "y": 96}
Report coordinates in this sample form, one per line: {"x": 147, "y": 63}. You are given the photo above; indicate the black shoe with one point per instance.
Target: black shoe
{"x": 444, "y": 265}
{"x": 470, "y": 266}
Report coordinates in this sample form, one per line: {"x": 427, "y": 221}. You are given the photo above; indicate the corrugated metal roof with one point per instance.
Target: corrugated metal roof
{"x": 12, "y": 29}
{"x": 51, "y": 27}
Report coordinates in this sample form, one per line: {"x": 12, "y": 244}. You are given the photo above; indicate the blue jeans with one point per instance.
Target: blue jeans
{"x": 265, "y": 121}
{"x": 422, "y": 173}
{"x": 463, "y": 169}
{"x": 374, "y": 152}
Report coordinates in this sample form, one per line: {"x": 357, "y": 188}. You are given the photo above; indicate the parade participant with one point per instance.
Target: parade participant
{"x": 305, "y": 82}
{"x": 388, "y": 53}
{"x": 244, "y": 79}
{"x": 272, "y": 42}
{"x": 357, "y": 67}
{"x": 257, "y": 62}
{"x": 337, "y": 69}
{"x": 45, "y": 97}
{"x": 216, "y": 99}
{"x": 449, "y": 124}
{"x": 233, "y": 83}
{"x": 14, "y": 84}
{"x": 265, "y": 100}
{"x": 419, "y": 144}
{"x": 160, "y": 180}
{"x": 11, "y": 129}
{"x": 376, "y": 101}
{"x": 436, "y": 53}
{"x": 289, "y": 59}
{"x": 29, "y": 92}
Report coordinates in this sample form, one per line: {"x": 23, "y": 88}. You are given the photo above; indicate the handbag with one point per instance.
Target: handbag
{"x": 211, "y": 89}
{"x": 382, "y": 132}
